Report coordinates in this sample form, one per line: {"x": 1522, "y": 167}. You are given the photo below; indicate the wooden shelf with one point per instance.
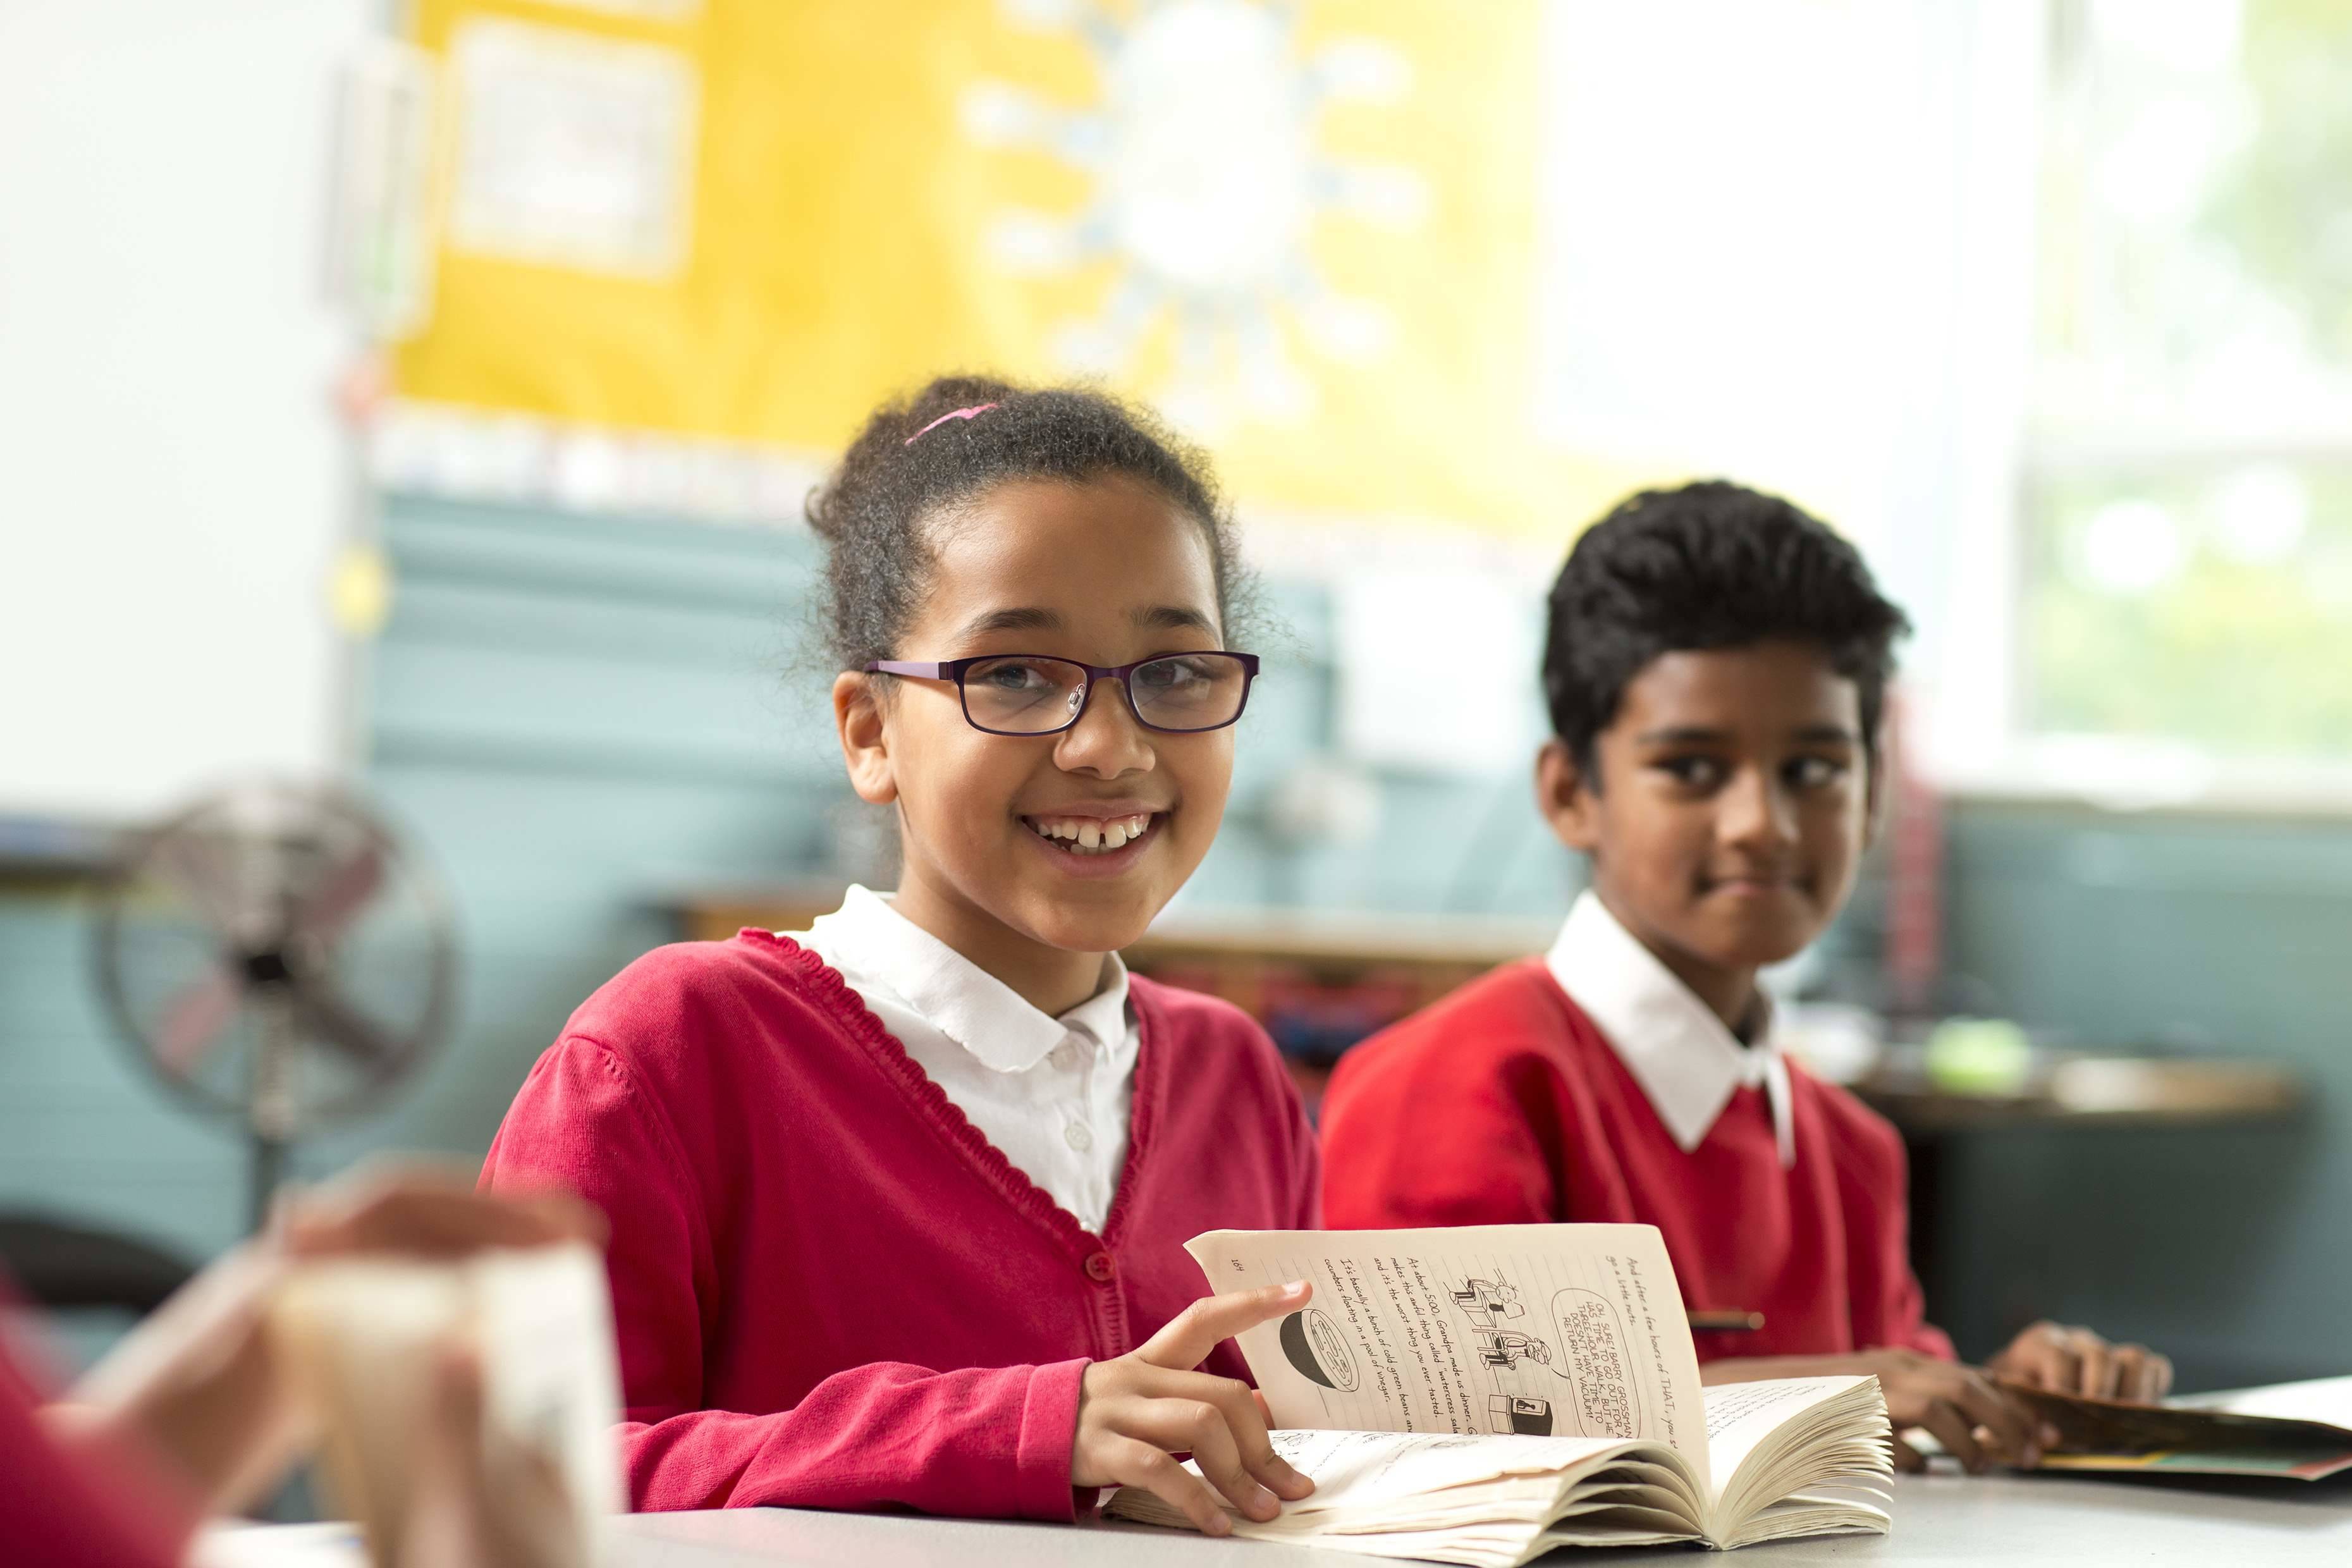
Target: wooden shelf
{"x": 1318, "y": 979}
{"x": 2091, "y": 1090}
{"x": 45, "y": 854}
{"x": 1313, "y": 938}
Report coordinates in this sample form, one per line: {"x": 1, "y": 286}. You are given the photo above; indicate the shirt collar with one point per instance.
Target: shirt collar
{"x": 1686, "y": 1061}
{"x": 959, "y": 998}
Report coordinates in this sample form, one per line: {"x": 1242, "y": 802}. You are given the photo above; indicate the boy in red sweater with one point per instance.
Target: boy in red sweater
{"x": 1714, "y": 669}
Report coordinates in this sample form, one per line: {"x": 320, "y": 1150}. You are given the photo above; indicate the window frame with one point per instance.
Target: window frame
{"x": 1972, "y": 673}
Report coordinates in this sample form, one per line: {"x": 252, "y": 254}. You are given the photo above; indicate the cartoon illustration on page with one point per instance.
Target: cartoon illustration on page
{"x": 1311, "y": 1342}
{"x": 1603, "y": 1399}
{"x": 1500, "y": 1347}
{"x": 1517, "y": 1413}
{"x": 1542, "y": 1331}
{"x": 1497, "y": 1299}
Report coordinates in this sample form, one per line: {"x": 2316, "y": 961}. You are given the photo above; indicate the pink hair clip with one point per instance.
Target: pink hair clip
{"x": 975, "y": 410}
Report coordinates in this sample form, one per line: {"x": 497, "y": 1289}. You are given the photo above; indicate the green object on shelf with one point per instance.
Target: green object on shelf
{"x": 1980, "y": 1056}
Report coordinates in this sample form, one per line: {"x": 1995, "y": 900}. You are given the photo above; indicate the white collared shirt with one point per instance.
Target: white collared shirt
{"x": 1681, "y": 1054}
{"x": 1052, "y": 1094}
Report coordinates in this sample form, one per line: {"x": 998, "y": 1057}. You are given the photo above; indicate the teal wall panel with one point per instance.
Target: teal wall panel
{"x": 2225, "y": 1246}
{"x": 573, "y": 721}
{"x": 83, "y": 1131}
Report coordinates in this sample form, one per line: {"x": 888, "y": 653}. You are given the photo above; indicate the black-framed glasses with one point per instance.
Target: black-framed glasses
{"x": 1032, "y": 694}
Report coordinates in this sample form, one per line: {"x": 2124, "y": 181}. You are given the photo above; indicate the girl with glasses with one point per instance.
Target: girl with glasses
{"x": 898, "y": 1201}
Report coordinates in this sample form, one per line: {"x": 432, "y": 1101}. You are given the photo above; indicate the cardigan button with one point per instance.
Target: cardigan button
{"x": 1101, "y": 1267}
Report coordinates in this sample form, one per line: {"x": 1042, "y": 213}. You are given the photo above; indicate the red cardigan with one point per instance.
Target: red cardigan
{"x": 1504, "y": 1103}
{"x": 98, "y": 1499}
{"x": 829, "y": 1289}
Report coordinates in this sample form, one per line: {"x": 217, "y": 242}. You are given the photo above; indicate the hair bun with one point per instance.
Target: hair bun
{"x": 818, "y": 510}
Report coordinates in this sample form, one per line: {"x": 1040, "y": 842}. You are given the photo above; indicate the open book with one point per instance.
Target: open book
{"x": 2298, "y": 1431}
{"x": 1486, "y": 1394}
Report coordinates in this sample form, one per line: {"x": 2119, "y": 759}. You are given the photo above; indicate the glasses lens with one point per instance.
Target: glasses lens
{"x": 1022, "y": 696}
{"x": 1188, "y": 692}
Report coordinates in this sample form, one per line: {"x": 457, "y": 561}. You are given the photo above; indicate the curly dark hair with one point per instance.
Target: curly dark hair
{"x": 1709, "y": 565}
{"x": 876, "y": 512}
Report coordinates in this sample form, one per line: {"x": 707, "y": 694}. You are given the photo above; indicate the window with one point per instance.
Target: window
{"x": 2184, "y": 562}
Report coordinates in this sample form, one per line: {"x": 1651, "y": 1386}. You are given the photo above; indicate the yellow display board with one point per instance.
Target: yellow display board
{"x": 1306, "y": 232}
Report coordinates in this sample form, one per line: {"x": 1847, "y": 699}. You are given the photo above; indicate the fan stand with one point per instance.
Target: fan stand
{"x": 271, "y": 1118}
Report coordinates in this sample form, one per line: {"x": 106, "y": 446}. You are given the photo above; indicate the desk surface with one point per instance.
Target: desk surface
{"x": 1938, "y": 1518}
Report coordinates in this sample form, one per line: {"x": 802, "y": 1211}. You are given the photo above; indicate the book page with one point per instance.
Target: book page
{"x": 1741, "y": 1415}
{"x": 1373, "y": 1469}
{"x": 1434, "y": 1495}
{"x": 1566, "y": 1330}
{"x": 2326, "y": 1400}
{"x": 551, "y": 1383}
{"x": 2109, "y": 1434}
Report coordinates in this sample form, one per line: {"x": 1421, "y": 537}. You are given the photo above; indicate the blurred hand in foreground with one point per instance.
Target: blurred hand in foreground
{"x": 199, "y": 1385}
{"x": 461, "y": 1514}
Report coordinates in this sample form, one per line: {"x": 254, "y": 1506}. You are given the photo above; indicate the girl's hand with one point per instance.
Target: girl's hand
{"x": 1962, "y": 1406}
{"x": 2076, "y": 1361}
{"x": 1136, "y": 1412}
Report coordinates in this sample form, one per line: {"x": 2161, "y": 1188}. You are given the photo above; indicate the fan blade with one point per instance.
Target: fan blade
{"x": 347, "y": 890}
{"x": 335, "y": 1025}
{"x": 194, "y": 1019}
{"x": 194, "y": 861}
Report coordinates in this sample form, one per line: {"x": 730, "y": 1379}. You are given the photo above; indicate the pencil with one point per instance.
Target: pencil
{"x": 1726, "y": 1323}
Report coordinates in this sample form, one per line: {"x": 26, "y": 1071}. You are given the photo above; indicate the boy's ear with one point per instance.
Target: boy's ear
{"x": 1873, "y": 792}
{"x": 864, "y": 744}
{"x": 1566, "y": 799}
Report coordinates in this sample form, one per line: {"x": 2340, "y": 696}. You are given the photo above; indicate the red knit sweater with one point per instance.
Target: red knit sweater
{"x": 1505, "y": 1103}
{"x": 829, "y": 1289}
{"x": 96, "y": 1501}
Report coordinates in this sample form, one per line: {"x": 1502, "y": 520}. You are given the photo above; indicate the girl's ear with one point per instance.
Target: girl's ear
{"x": 865, "y": 743}
{"x": 1566, "y": 799}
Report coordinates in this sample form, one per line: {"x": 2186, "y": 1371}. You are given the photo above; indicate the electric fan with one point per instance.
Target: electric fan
{"x": 276, "y": 959}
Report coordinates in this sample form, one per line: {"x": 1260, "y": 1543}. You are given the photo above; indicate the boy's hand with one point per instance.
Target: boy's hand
{"x": 1136, "y": 1412}
{"x": 1976, "y": 1424}
{"x": 2076, "y": 1361}
{"x": 1962, "y": 1406}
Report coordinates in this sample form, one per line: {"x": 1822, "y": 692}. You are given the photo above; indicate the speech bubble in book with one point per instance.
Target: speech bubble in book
{"x": 1595, "y": 1354}
{"x": 1311, "y": 1342}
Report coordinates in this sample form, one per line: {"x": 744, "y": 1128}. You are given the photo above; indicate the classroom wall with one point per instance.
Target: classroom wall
{"x": 575, "y": 714}
{"x": 2230, "y": 1249}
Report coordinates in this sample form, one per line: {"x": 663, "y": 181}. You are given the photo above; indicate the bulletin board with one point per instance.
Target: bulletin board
{"x": 1306, "y": 233}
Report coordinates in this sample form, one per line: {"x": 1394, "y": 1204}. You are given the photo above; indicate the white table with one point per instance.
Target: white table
{"x": 1942, "y": 1518}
